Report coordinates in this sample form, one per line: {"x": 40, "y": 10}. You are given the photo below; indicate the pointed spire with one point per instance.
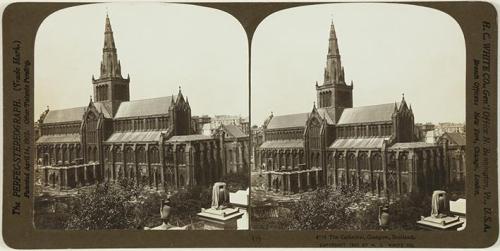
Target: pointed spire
{"x": 403, "y": 102}
{"x": 108, "y": 23}
{"x": 90, "y": 98}
{"x": 109, "y": 41}
{"x": 333, "y": 34}
{"x": 180, "y": 96}
{"x": 172, "y": 102}
{"x": 334, "y": 73}
{"x": 110, "y": 66}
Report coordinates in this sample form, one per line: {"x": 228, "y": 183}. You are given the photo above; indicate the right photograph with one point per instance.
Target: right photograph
{"x": 358, "y": 123}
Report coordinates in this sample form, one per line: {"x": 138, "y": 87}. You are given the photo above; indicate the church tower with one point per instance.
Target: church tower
{"x": 334, "y": 92}
{"x": 110, "y": 88}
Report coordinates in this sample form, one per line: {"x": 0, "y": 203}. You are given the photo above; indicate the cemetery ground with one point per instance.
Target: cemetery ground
{"x": 334, "y": 209}
{"x": 122, "y": 205}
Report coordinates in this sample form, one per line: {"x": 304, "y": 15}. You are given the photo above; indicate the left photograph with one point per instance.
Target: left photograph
{"x": 118, "y": 143}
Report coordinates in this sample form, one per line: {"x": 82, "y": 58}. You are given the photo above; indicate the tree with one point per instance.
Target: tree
{"x": 105, "y": 207}
{"x": 326, "y": 209}
{"x": 349, "y": 209}
{"x": 186, "y": 204}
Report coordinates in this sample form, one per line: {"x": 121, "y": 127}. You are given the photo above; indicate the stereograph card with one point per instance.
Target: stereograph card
{"x": 279, "y": 124}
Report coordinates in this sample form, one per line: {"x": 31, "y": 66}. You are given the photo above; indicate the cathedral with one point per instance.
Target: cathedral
{"x": 371, "y": 148}
{"x": 151, "y": 141}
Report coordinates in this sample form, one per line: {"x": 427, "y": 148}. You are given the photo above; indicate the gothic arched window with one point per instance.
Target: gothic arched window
{"x": 141, "y": 155}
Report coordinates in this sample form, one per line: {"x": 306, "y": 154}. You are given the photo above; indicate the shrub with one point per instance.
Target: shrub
{"x": 186, "y": 204}
{"x": 326, "y": 209}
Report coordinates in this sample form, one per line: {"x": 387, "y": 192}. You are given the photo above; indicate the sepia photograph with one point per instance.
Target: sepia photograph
{"x": 141, "y": 119}
{"x": 358, "y": 123}
{"x": 280, "y": 124}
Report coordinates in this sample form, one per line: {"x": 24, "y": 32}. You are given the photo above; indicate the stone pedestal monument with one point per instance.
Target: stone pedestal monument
{"x": 440, "y": 218}
{"x": 220, "y": 216}
{"x": 165, "y": 212}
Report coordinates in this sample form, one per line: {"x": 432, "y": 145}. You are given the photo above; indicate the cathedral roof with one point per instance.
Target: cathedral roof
{"x": 367, "y": 114}
{"x": 288, "y": 121}
{"x": 272, "y": 144}
{"x": 102, "y": 108}
{"x": 408, "y": 145}
{"x": 327, "y": 113}
{"x": 144, "y": 107}
{"x": 65, "y": 115}
{"x": 136, "y": 136}
{"x": 349, "y": 143}
{"x": 191, "y": 137}
{"x": 234, "y": 131}
{"x": 59, "y": 138}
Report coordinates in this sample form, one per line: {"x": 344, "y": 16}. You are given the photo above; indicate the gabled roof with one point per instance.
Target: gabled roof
{"x": 234, "y": 131}
{"x": 59, "y": 138}
{"x": 409, "y": 145}
{"x": 136, "y": 136}
{"x": 144, "y": 107}
{"x": 455, "y": 138}
{"x": 102, "y": 108}
{"x": 288, "y": 121}
{"x": 348, "y": 143}
{"x": 327, "y": 113}
{"x": 65, "y": 115}
{"x": 367, "y": 114}
{"x": 280, "y": 144}
{"x": 191, "y": 137}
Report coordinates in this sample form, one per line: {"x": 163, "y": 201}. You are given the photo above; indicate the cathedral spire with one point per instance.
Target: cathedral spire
{"x": 110, "y": 66}
{"x": 110, "y": 87}
{"x": 333, "y": 46}
{"x": 333, "y": 70}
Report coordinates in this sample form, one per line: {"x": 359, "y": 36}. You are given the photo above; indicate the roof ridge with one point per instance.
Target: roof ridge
{"x": 363, "y": 106}
{"x": 289, "y": 114}
{"x": 130, "y": 101}
{"x": 79, "y": 107}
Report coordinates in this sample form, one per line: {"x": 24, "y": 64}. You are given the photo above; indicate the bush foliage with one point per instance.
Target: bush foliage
{"x": 236, "y": 181}
{"x": 128, "y": 206}
{"x": 347, "y": 209}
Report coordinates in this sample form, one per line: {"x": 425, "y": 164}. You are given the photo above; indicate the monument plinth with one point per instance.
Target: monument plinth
{"x": 444, "y": 223}
{"x": 220, "y": 216}
{"x": 441, "y": 217}
{"x": 220, "y": 219}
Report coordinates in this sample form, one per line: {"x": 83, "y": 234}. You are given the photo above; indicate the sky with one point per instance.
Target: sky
{"x": 386, "y": 49}
{"x": 162, "y": 46}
